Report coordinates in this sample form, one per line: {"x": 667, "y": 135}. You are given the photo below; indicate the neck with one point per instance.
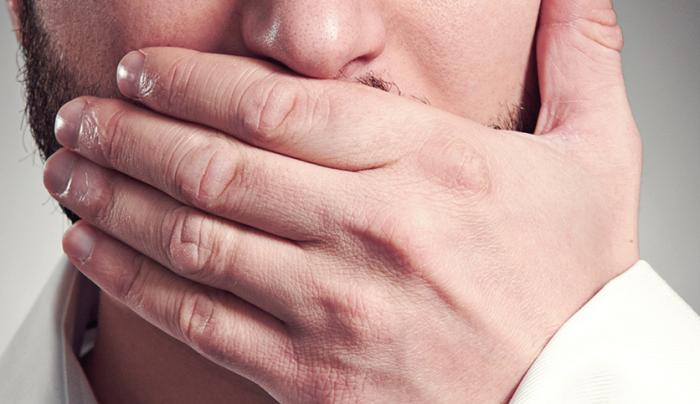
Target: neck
{"x": 134, "y": 362}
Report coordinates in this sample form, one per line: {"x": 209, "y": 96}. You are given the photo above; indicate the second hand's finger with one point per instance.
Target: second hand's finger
{"x": 579, "y": 44}
{"x": 218, "y": 325}
{"x": 259, "y": 268}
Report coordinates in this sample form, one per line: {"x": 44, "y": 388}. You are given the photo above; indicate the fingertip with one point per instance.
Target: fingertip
{"x": 130, "y": 74}
{"x": 68, "y": 122}
{"x": 58, "y": 172}
{"x": 79, "y": 242}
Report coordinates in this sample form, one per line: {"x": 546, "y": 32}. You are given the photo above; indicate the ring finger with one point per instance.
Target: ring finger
{"x": 260, "y": 268}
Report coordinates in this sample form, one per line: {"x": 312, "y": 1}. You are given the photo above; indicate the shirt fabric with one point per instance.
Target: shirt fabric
{"x": 636, "y": 341}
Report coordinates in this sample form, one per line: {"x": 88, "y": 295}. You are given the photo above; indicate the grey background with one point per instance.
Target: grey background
{"x": 662, "y": 67}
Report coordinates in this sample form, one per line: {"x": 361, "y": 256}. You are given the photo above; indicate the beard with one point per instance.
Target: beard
{"x": 49, "y": 83}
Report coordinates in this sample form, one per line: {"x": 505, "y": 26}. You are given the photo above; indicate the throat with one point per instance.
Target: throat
{"x": 135, "y": 362}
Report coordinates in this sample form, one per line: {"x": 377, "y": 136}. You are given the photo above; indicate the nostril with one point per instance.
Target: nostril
{"x": 324, "y": 40}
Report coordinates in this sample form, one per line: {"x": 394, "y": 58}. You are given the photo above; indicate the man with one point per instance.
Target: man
{"x": 264, "y": 227}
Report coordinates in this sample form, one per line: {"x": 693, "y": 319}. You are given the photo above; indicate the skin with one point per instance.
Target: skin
{"x": 335, "y": 243}
{"x": 419, "y": 45}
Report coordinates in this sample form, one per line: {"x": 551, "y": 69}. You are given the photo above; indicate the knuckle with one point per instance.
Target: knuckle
{"x": 613, "y": 38}
{"x": 273, "y": 108}
{"x": 111, "y": 137}
{"x": 131, "y": 285}
{"x": 197, "y": 323}
{"x": 178, "y": 79}
{"x": 455, "y": 164}
{"x": 188, "y": 243}
{"x": 599, "y": 25}
{"x": 207, "y": 174}
{"x": 586, "y": 26}
{"x": 399, "y": 235}
{"x": 351, "y": 313}
{"x": 605, "y": 28}
{"x": 608, "y": 36}
{"x": 100, "y": 200}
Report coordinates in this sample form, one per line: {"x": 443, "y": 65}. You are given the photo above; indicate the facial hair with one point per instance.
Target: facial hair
{"x": 49, "y": 83}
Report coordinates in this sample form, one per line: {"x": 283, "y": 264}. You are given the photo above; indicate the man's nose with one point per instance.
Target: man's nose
{"x": 315, "y": 38}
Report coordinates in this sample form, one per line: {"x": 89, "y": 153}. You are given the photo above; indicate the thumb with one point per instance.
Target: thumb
{"x": 579, "y": 67}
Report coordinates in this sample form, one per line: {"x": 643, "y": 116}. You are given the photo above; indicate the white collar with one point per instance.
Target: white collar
{"x": 41, "y": 364}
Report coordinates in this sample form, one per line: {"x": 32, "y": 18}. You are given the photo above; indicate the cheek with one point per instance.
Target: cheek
{"x": 202, "y": 25}
{"x": 476, "y": 56}
{"x": 466, "y": 56}
{"x": 93, "y": 35}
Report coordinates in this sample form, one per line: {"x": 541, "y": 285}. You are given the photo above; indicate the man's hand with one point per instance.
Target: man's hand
{"x": 335, "y": 243}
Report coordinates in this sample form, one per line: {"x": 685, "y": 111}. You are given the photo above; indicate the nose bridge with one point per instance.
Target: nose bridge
{"x": 317, "y": 38}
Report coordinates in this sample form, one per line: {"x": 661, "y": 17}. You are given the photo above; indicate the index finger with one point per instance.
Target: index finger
{"x": 338, "y": 124}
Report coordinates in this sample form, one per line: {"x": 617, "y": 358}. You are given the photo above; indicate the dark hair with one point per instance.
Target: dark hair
{"x": 47, "y": 83}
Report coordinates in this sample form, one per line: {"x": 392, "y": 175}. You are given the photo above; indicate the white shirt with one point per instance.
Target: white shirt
{"x": 636, "y": 342}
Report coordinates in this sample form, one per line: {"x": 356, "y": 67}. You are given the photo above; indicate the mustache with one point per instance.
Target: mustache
{"x": 521, "y": 117}
{"x": 373, "y": 80}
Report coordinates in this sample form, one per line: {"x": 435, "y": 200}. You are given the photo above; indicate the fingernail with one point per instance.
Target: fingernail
{"x": 68, "y": 120}
{"x": 129, "y": 74}
{"x": 57, "y": 173}
{"x": 78, "y": 242}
